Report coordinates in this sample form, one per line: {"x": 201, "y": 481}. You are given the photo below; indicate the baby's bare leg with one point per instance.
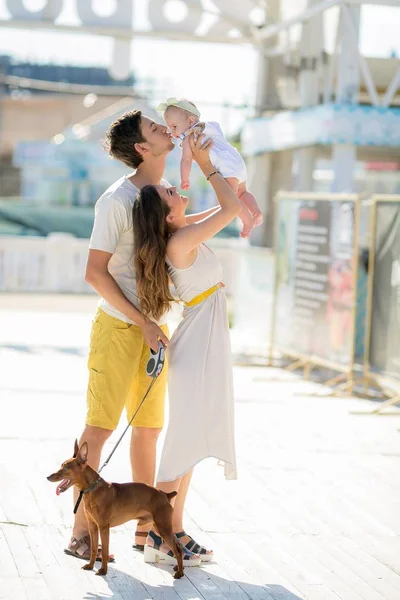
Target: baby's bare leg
{"x": 244, "y": 215}
{"x": 250, "y": 202}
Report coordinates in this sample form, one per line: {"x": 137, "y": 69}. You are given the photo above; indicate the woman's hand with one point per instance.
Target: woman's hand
{"x": 201, "y": 152}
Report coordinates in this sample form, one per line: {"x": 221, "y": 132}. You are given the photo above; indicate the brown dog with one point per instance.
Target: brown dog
{"x": 109, "y": 504}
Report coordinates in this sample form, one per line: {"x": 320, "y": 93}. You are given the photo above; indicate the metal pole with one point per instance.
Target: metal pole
{"x": 370, "y": 292}
{"x": 316, "y": 9}
{"x": 2, "y": 95}
{"x": 356, "y": 226}
{"x": 353, "y": 40}
{"x": 392, "y": 89}
{"x": 275, "y": 292}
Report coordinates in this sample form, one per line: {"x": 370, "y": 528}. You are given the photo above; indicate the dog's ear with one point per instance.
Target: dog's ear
{"x": 76, "y": 449}
{"x": 82, "y": 453}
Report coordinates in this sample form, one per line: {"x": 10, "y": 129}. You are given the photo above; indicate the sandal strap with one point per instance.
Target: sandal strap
{"x": 192, "y": 545}
{"x": 187, "y": 554}
{"x": 80, "y": 546}
{"x": 157, "y": 540}
{"x": 196, "y": 548}
{"x": 141, "y": 533}
{"x": 180, "y": 534}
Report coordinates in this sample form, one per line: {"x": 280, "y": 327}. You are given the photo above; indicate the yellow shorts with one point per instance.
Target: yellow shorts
{"x": 117, "y": 376}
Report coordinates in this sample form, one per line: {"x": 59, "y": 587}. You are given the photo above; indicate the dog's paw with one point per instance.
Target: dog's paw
{"x": 88, "y": 567}
{"x": 102, "y": 571}
{"x": 178, "y": 574}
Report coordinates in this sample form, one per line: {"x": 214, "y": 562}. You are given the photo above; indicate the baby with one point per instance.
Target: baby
{"x": 183, "y": 120}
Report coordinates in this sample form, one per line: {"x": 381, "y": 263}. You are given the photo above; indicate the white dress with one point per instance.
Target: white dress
{"x": 224, "y": 157}
{"x": 200, "y": 382}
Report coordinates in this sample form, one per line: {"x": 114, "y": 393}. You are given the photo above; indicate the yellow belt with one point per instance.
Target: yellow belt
{"x": 204, "y": 295}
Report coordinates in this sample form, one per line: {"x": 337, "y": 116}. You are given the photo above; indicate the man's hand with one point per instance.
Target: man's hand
{"x": 152, "y": 333}
{"x": 185, "y": 185}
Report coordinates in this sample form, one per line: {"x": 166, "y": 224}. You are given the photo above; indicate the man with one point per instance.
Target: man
{"x": 121, "y": 336}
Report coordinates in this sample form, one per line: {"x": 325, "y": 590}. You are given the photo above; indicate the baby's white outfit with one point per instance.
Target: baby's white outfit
{"x": 224, "y": 157}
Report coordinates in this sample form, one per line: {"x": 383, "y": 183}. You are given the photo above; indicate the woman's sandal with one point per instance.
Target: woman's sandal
{"x": 142, "y": 534}
{"x": 154, "y": 554}
{"x": 192, "y": 546}
{"x": 81, "y": 549}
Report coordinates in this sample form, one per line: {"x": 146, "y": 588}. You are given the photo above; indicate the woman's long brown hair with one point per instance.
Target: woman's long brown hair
{"x": 150, "y": 232}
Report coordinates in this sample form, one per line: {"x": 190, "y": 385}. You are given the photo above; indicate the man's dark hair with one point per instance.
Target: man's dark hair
{"x": 122, "y": 136}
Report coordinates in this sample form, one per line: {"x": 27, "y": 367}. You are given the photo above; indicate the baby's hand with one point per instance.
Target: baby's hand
{"x": 185, "y": 185}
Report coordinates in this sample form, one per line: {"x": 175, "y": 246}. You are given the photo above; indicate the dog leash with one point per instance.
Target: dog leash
{"x": 154, "y": 367}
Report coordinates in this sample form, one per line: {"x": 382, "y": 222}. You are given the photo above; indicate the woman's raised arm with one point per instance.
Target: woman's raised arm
{"x": 188, "y": 238}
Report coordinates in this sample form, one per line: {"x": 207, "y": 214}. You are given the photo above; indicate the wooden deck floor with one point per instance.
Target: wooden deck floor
{"x": 314, "y": 515}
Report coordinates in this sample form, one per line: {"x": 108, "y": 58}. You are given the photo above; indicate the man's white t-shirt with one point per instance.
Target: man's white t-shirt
{"x": 113, "y": 232}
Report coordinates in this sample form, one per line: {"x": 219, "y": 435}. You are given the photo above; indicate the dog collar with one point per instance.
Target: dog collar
{"x": 85, "y": 491}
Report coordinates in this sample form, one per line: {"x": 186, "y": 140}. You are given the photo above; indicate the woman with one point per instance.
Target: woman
{"x": 201, "y": 421}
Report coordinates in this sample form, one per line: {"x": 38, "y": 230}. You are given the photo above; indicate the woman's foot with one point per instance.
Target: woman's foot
{"x": 190, "y": 544}
{"x": 81, "y": 549}
{"x": 156, "y": 550}
{"x": 140, "y": 540}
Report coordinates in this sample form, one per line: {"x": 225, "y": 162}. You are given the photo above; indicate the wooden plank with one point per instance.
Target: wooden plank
{"x": 220, "y": 578}
{"x": 16, "y": 499}
{"x": 302, "y": 522}
{"x": 185, "y": 588}
{"x": 56, "y": 581}
{"x": 206, "y": 587}
{"x": 302, "y": 572}
{"x": 12, "y": 588}
{"x": 229, "y": 558}
{"x": 385, "y": 549}
{"x": 28, "y": 570}
{"x": 145, "y": 580}
{"x": 381, "y": 577}
{"x": 255, "y": 574}
{"x": 11, "y": 585}
{"x": 77, "y": 581}
{"x": 306, "y": 549}
{"x": 336, "y": 569}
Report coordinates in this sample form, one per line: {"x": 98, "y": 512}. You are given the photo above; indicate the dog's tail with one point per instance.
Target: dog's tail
{"x": 171, "y": 495}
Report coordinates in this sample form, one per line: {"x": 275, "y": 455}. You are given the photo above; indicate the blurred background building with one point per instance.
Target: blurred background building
{"x": 308, "y": 89}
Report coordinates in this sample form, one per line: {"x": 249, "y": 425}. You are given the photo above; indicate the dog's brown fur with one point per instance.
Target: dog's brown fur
{"x": 111, "y": 504}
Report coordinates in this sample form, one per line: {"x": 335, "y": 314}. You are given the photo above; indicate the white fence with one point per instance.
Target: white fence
{"x": 252, "y": 303}
{"x": 57, "y": 263}
{"x": 35, "y": 264}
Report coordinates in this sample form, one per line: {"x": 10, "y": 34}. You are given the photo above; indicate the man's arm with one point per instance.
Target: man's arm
{"x": 196, "y": 217}
{"x": 100, "y": 279}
